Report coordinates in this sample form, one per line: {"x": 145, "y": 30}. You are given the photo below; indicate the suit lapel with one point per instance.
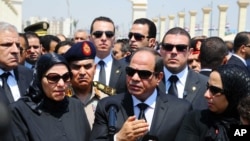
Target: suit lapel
{"x": 115, "y": 73}
{"x": 20, "y": 80}
{"x": 159, "y": 113}
{"x": 192, "y": 86}
{"x": 127, "y": 104}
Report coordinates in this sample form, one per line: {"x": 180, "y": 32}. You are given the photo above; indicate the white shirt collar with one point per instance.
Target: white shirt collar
{"x": 150, "y": 101}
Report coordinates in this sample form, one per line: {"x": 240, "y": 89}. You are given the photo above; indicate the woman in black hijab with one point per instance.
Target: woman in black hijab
{"x": 45, "y": 113}
{"x": 226, "y": 86}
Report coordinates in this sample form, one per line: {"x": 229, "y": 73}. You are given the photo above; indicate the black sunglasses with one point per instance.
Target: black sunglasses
{"x": 98, "y": 34}
{"x": 214, "y": 90}
{"x": 143, "y": 74}
{"x": 169, "y": 47}
{"x": 53, "y": 78}
{"x": 137, "y": 36}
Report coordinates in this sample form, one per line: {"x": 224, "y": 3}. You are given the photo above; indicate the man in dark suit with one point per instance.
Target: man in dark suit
{"x": 158, "y": 119}
{"x": 241, "y": 50}
{"x": 102, "y": 35}
{"x": 14, "y": 78}
{"x": 187, "y": 84}
{"x": 213, "y": 53}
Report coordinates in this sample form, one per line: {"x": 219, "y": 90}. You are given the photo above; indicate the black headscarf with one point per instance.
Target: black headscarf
{"x": 35, "y": 93}
{"x": 236, "y": 85}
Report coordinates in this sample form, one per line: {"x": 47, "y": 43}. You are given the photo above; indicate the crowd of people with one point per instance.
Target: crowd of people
{"x": 96, "y": 87}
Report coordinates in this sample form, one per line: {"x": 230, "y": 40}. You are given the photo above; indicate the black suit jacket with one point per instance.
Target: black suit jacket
{"x": 23, "y": 77}
{"x": 238, "y": 62}
{"x": 118, "y": 76}
{"x": 194, "y": 90}
{"x": 205, "y": 72}
{"x": 167, "y": 118}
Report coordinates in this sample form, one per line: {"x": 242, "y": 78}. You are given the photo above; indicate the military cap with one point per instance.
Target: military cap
{"x": 81, "y": 51}
{"x": 39, "y": 28}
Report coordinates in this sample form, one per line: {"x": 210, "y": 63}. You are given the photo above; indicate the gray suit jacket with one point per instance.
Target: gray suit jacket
{"x": 118, "y": 76}
{"x": 165, "y": 123}
{"x": 194, "y": 91}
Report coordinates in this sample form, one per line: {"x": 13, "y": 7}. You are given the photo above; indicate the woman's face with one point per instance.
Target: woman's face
{"x": 55, "y": 82}
{"x": 217, "y": 101}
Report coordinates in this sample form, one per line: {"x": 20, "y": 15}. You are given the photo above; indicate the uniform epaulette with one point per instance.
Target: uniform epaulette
{"x": 106, "y": 89}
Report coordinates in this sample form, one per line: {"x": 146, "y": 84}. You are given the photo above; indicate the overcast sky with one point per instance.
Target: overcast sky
{"x": 120, "y": 11}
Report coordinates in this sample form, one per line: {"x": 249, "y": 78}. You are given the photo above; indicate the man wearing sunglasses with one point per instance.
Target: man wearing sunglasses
{"x": 241, "y": 50}
{"x": 187, "y": 84}
{"x": 14, "y": 78}
{"x": 81, "y": 61}
{"x": 142, "y": 34}
{"x": 109, "y": 71}
{"x": 159, "y": 121}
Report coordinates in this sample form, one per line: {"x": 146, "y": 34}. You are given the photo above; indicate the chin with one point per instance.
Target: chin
{"x": 58, "y": 98}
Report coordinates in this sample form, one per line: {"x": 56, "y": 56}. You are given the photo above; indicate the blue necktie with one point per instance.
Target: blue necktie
{"x": 102, "y": 74}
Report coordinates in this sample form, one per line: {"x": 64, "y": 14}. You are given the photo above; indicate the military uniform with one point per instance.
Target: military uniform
{"x": 98, "y": 92}
{"x": 86, "y": 51}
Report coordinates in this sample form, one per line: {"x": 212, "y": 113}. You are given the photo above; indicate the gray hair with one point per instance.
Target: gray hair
{"x": 4, "y": 26}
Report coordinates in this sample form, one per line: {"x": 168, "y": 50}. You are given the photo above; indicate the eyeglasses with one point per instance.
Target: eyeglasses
{"x": 169, "y": 47}
{"x": 98, "y": 34}
{"x": 214, "y": 90}
{"x": 137, "y": 36}
{"x": 79, "y": 38}
{"x": 143, "y": 74}
{"x": 53, "y": 78}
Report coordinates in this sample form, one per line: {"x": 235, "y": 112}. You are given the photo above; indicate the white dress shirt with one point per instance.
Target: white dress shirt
{"x": 12, "y": 84}
{"x": 182, "y": 77}
{"x": 108, "y": 65}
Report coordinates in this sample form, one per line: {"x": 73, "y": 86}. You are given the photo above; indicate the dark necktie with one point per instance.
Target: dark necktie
{"x": 102, "y": 74}
{"x": 173, "y": 89}
{"x": 6, "y": 87}
{"x": 142, "y": 107}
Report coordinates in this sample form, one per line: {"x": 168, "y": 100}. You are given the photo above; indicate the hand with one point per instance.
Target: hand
{"x": 132, "y": 129}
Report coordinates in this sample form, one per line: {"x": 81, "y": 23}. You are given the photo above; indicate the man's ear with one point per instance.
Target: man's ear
{"x": 159, "y": 76}
{"x": 152, "y": 42}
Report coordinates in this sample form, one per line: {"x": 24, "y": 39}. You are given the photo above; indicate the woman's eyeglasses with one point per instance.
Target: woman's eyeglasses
{"x": 214, "y": 90}
{"x": 143, "y": 74}
{"x": 98, "y": 34}
{"x": 53, "y": 78}
{"x": 169, "y": 47}
{"x": 137, "y": 36}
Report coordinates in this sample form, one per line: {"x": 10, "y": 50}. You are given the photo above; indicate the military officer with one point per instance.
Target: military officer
{"x": 81, "y": 59}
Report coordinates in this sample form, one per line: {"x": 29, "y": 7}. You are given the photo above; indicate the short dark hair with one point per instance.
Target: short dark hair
{"x": 151, "y": 26}
{"x": 242, "y": 38}
{"x": 212, "y": 52}
{"x": 158, "y": 59}
{"x": 63, "y": 43}
{"x": 47, "y": 39}
{"x": 180, "y": 31}
{"x": 101, "y": 18}
{"x": 30, "y": 34}
{"x": 22, "y": 35}
{"x": 124, "y": 45}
